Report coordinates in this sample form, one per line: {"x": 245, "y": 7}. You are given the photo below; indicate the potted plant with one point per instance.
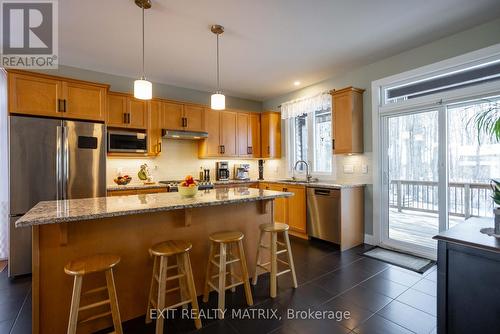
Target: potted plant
{"x": 495, "y": 186}
{"x": 488, "y": 122}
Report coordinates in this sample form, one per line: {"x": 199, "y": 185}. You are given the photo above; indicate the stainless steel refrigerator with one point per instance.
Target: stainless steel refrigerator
{"x": 50, "y": 159}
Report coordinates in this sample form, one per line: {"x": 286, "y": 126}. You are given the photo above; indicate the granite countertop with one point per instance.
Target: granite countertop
{"x": 320, "y": 184}
{"x": 468, "y": 234}
{"x": 233, "y": 181}
{"x": 135, "y": 186}
{"x": 53, "y": 212}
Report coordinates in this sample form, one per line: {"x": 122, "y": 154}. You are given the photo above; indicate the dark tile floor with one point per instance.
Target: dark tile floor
{"x": 380, "y": 298}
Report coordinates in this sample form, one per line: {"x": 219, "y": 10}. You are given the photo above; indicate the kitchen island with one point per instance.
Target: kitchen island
{"x": 128, "y": 226}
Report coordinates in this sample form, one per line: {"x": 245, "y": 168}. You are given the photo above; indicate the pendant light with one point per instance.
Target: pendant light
{"x": 218, "y": 100}
{"x": 143, "y": 89}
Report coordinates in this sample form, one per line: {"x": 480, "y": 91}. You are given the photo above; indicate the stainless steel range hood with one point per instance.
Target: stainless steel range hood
{"x": 189, "y": 135}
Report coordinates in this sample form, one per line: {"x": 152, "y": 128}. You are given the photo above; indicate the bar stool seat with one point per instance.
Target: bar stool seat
{"x": 225, "y": 258}
{"x": 88, "y": 265}
{"x": 276, "y": 227}
{"x": 91, "y": 264}
{"x": 171, "y": 247}
{"x": 272, "y": 266}
{"x": 226, "y": 236}
{"x": 183, "y": 273}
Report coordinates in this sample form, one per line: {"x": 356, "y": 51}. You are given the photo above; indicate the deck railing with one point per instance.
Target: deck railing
{"x": 465, "y": 199}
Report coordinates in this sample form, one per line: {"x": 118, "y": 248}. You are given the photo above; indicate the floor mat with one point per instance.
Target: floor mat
{"x": 407, "y": 261}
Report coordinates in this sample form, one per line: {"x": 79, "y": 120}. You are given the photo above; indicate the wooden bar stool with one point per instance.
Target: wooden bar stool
{"x": 84, "y": 266}
{"x": 225, "y": 241}
{"x": 274, "y": 229}
{"x": 184, "y": 274}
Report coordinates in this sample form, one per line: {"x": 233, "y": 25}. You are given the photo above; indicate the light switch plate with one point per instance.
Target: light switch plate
{"x": 348, "y": 169}
{"x": 364, "y": 169}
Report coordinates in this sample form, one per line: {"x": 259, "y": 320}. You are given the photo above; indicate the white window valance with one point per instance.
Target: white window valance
{"x": 290, "y": 109}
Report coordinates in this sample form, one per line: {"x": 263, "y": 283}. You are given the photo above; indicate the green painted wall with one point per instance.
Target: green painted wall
{"x": 125, "y": 85}
{"x": 469, "y": 40}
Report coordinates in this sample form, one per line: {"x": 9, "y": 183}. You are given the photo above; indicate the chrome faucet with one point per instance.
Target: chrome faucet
{"x": 308, "y": 176}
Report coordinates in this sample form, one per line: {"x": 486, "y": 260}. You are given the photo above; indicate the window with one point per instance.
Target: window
{"x": 311, "y": 140}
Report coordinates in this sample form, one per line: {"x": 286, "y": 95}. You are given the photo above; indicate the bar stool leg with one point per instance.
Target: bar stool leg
{"x": 192, "y": 290}
{"x": 222, "y": 280}
{"x": 230, "y": 251}
{"x": 274, "y": 263}
{"x": 206, "y": 289}
{"x": 244, "y": 274}
{"x": 113, "y": 301}
{"x": 162, "y": 285}
{"x": 182, "y": 280}
{"x": 75, "y": 304}
{"x": 257, "y": 259}
{"x": 151, "y": 289}
{"x": 290, "y": 258}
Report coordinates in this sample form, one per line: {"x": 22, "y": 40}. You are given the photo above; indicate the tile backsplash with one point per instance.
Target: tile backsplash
{"x": 180, "y": 158}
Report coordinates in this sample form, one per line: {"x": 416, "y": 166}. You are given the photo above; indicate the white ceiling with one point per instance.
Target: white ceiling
{"x": 267, "y": 45}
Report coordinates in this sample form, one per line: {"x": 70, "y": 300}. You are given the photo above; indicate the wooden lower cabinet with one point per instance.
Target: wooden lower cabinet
{"x": 136, "y": 191}
{"x": 291, "y": 210}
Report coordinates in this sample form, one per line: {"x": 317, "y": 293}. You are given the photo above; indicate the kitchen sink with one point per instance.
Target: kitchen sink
{"x": 299, "y": 180}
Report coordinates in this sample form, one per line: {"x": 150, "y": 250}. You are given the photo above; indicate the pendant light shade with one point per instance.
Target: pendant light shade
{"x": 218, "y": 100}
{"x": 143, "y": 89}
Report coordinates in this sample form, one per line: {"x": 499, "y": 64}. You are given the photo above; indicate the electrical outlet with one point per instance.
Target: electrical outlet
{"x": 348, "y": 169}
{"x": 364, "y": 169}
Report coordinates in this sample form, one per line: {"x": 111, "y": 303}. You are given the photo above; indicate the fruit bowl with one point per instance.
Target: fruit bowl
{"x": 189, "y": 191}
{"x": 123, "y": 180}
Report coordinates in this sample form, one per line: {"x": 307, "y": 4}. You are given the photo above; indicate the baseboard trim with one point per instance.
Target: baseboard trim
{"x": 369, "y": 239}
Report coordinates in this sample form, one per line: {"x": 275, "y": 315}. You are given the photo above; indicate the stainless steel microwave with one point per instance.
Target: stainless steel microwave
{"x": 127, "y": 141}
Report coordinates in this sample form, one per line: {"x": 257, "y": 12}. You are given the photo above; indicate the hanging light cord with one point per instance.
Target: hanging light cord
{"x": 143, "y": 72}
{"x": 218, "y": 70}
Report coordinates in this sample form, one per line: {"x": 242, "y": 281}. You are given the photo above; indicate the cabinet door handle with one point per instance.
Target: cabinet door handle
{"x": 125, "y": 118}
{"x": 285, "y": 189}
{"x": 333, "y": 144}
{"x": 223, "y": 149}
{"x": 251, "y": 149}
{"x": 159, "y": 147}
{"x": 64, "y": 104}
{"x": 128, "y": 118}
{"x": 60, "y": 106}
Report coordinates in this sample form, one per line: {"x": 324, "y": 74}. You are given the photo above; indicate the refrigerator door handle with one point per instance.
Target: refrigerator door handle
{"x": 65, "y": 160}
{"x": 59, "y": 157}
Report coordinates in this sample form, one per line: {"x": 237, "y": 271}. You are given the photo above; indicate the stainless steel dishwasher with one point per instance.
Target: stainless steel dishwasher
{"x": 323, "y": 214}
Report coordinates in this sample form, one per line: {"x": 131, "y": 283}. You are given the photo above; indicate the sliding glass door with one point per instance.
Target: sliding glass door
{"x": 412, "y": 180}
{"x": 436, "y": 168}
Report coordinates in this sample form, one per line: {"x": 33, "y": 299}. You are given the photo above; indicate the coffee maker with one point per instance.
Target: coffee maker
{"x": 242, "y": 172}
{"x": 222, "y": 170}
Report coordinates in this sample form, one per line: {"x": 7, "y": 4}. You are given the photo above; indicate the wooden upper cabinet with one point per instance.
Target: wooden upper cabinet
{"x": 271, "y": 135}
{"x": 138, "y": 113}
{"x": 248, "y": 134}
{"x": 172, "y": 116}
{"x": 347, "y": 125}
{"x": 117, "y": 110}
{"x": 228, "y": 132}
{"x": 154, "y": 128}
{"x": 254, "y": 135}
{"x": 34, "y": 95}
{"x": 44, "y": 95}
{"x": 124, "y": 111}
{"x": 211, "y": 147}
{"x": 84, "y": 101}
{"x": 194, "y": 118}
{"x": 243, "y": 146}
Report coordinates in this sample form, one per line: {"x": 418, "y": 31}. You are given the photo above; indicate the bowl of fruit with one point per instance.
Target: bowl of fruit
{"x": 188, "y": 187}
{"x": 123, "y": 180}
